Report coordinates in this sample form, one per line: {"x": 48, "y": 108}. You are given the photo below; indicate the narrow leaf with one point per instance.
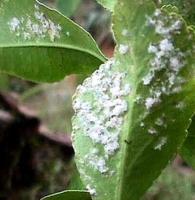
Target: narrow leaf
{"x": 188, "y": 149}
{"x": 40, "y": 44}
{"x": 132, "y": 113}
{"x": 69, "y": 195}
{"x": 109, "y": 4}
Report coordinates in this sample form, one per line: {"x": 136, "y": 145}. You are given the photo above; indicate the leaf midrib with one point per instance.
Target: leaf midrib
{"x": 45, "y": 45}
{"x": 128, "y": 133}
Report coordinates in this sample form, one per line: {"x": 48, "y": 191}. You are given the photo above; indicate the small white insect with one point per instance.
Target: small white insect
{"x": 124, "y": 49}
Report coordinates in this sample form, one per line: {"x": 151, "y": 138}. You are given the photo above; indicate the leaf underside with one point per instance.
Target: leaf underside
{"x": 39, "y": 44}
{"x": 124, "y": 137}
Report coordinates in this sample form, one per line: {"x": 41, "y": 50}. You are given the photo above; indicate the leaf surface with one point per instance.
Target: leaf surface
{"x": 132, "y": 114}
{"x": 40, "y": 44}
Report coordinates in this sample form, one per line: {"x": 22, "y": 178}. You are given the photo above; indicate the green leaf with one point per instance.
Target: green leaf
{"x": 131, "y": 114}
{"x": 40, "y": 44}
{"x": 69, "y": 195}
{"x": 188, "y": 149}
{"x": 68, "y": 7}
{"x": 109, "y": 4}
{"x": 186, "y": 7}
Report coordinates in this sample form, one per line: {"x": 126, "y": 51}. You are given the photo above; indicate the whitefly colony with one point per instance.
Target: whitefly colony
{"x": 37, "y": 26}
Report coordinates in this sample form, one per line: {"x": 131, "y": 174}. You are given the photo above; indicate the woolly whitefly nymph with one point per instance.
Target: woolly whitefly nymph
{"x": 180, "y": 105}
{"x": 161, "y": 142}
{"x": 125, "y": 32}
{"x": 100, "y": 106}
{"x": 91, "y": 190}
{"x": 159, "y": 122}
{"x": 95, "y": 161}
{"x": 148, "y": 78}
{"x": 152, "y": 49}
{"x": 124, "y": 49}
{"x": 35, "y": 27}
{"x": 14, "y": 24}
{"x": 152, "y": 131}
{"x": 142, "y": 124}
{"x": 150, "y": 102}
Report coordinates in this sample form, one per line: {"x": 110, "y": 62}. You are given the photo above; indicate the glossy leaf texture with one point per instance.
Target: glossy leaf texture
{"x": 40, "y": 44}
{"x": 108, "y": 4}
{"x": 188, "y": 149}
{"x": 186, "y": 7}
{"x": 132, "y": 114}
{"x": 68, "y": 7}
{"x": 69, "y": 195}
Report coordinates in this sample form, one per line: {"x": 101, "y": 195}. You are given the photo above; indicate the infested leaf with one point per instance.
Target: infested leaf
{"x": 40, "y": 44}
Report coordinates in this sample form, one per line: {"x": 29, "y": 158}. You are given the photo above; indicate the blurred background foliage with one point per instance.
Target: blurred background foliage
{"x": 52, "y": 105}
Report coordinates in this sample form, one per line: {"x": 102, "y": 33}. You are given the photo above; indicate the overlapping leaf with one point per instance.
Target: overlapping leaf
{"x": 39, "y": 44}
{"x": 132, "y": 114}
{"x": 69, "y": 195}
